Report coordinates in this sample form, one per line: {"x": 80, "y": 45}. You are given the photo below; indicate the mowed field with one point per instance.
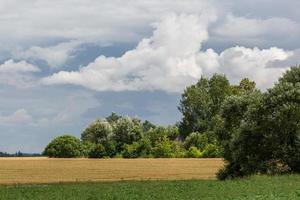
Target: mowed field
{"x": 46, "y": 170}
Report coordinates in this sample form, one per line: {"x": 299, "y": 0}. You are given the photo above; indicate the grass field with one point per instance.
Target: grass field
{"x": 45, "y": 170}
{"x": 274, "y": 188}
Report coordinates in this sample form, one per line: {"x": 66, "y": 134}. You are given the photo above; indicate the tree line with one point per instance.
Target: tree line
{"x": 254, "y": 131}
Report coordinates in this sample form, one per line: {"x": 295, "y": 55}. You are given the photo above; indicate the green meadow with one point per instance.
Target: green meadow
{"x": 256, "y": 187}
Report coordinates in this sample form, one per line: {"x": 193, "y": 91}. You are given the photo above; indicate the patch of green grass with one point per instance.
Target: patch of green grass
{"x": 257, "y": 187}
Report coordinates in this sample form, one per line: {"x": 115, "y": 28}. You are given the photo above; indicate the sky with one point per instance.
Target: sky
{"x": 64, "y": 63}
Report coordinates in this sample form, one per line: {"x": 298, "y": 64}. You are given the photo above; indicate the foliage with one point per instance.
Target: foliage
{"x": 142, "y": 148}
{"x": 194, "y": 152}
{"x": 201, "y": 102}
{"x": 261, "y": 131}
{"x": 97, "y": 132}
{"x": 65, "y": 146}
{"x": 163, "y": 148}
{"x": 212, "y": 151}
{"x": 258, "y": 187}
{"x": 98, "y": 151}
{"x": 197, "y": 140}
{"x": 147, "y": 126}
{"x": 127, "y": 131}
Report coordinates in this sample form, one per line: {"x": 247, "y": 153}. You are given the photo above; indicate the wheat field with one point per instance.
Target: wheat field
{"x": 49, "y": 170}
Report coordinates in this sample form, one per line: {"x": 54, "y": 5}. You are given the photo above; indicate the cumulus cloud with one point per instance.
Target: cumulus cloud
{"x": 10, "y": 66}
{"x": 54, "y": 56}
{"x": 171, "y": 59}
{"x": 256, "y": 64}
{"x": 18, "y": 74}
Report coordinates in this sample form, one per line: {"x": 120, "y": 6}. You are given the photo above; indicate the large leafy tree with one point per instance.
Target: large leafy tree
{"x": 261, "y": 131}
{"x": 201, "y": 102}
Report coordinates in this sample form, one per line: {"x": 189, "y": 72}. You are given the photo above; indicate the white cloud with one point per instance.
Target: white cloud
{"x": 20, "y": 116}
{"x": 171, "y": 59}
{"x": 10, "y": 66}
{"x": 18, "y": 74}
{"x": 164, "y": 61}
{"x": 55, "y": 56}
{"x": 239, "y": 62}
{"x": 32, "y": 22}
{"x": 249, "y": 31}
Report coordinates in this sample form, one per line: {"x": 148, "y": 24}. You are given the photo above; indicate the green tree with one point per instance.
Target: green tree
{"x": 65, "y": 146}
{"x": 97, "y": 132}
{"x": 163, "y": 148}
{"x": 261, "y": 131}
{"x": 127, "y": 131}
{"x": 201, "y": 102}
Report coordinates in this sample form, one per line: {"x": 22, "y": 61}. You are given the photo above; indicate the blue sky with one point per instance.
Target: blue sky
{"x": 65, "y": 63}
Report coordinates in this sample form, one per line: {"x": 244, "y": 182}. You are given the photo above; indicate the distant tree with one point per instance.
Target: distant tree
{"x": 127, "y": 131}
{"x": 97, "y": 132}
{"x": 65, "y": 146}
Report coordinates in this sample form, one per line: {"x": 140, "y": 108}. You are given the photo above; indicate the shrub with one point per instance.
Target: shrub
{"x": 87, "y": 147}
{"x": 193, "y": 152}
{"x": 179, "y": 151}
{"x": 65, "y": 146}
{"x": 98, "y": 151}
{"x": 196, "y": 139}
{"x": 163, "y": 148}
{"x": 130, "y": 150}
{"x": 212, "y": 151}
{"x": 141, "y": 148}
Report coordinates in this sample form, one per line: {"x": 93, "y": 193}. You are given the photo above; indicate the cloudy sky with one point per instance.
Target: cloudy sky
{"x": 64, "y": 63}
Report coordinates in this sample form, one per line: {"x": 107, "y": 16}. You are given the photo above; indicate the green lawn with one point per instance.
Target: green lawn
{"x": 277, "y": 187}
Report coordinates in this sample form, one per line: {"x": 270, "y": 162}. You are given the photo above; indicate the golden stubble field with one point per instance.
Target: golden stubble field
{"x": 49, "y": 170}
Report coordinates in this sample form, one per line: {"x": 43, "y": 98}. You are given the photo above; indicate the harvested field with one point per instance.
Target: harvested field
{"x": 46, "y": 170}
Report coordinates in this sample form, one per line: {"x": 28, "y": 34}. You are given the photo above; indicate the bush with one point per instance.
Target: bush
{"x": 141, "y": 148}
{"x": 131, "y": 150}
{"x": 98, "y": 151}
{"x": 87, "y": 147}
{"x": 212, "y": 151}
{"x": 163, "y": 149}
{"x": 179, "y": 151}
{"x": 194, "y": 152}
{"x": 65, "y": 146}
{"x": 196, "y": 139}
